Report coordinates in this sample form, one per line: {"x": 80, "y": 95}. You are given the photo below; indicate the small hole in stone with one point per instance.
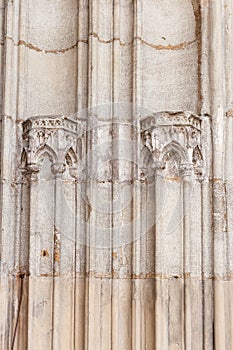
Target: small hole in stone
{"x": 44, "y": 253}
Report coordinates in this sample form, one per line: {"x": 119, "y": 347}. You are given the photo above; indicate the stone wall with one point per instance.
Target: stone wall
{"x": 116, "y": 174}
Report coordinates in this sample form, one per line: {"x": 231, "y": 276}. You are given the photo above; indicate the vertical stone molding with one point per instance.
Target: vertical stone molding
{"x": 172, "y": 159}
{"x": 50, "y": 164}
{"x": 116, "y": 186}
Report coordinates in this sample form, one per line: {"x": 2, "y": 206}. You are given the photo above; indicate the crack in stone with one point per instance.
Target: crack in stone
{"x": 198, "y": 29}
{"x": 179, "y": 46}
{"x": 35, "y": 48}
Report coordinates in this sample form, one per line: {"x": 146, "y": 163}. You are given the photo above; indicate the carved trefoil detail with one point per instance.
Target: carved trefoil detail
{"x": 172, "y": 142}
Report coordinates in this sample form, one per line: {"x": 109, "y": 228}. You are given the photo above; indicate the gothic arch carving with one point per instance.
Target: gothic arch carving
{"x": 175, "y": 148}
{"x": 42, "y": 151}
{"x": 55, "y": 135}
{"x": 48, "y": 160}
{"x": 173, "y": 137}
{"x": 71, "y": 162}
{"x": 71, "y": 158}
{"x": 24, "y": 159}
{"x": 198, "y": 161}
{"x": 146, "y": 157}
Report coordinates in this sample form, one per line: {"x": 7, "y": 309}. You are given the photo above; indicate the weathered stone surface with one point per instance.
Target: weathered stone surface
{"x": 116, "y": 175}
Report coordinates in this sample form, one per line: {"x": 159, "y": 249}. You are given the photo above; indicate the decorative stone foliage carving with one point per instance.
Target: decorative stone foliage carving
{"x": 55, "y": 136}
{"x": 174, "y": 143}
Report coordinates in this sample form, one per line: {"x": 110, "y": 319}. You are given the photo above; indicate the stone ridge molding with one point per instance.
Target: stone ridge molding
{"x": 174, "y": 144}
{"x": 50, "y": 122}
{"x": 56, "y": 136}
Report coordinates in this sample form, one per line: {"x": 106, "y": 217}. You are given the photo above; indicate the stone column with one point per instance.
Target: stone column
{"x": 10, "y": 285}
{"x": 187, "y": 173}
{"x": 217, "y": 106}
{"x": 173, "y": 142}
{"x": 207, "y": 236}
{"x": 41, "y": 245}
{"x": 64, "y": 257}
{"x": 120, "y": 255}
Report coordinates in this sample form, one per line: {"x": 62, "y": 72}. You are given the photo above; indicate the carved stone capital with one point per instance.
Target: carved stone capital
{"x": 174, "y": 142}
{"x": 58, "y": 169}
{"x": 54, "y": 136}
{"x": 74, "y": 172}
{"x": 33, "y": 168}
{"x": 186, "y": 169}
{"x": 199, "y": 173}
{"x": 33, "y": 171}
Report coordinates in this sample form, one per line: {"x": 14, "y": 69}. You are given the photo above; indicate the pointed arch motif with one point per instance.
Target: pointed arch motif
{"x": 42, "y": 151}
{"x": 71, "y": 158}
{"x": 197, "y": 155}
{"x": 198, "y": 162}
{"x": 174, "y": 141}
{"x": 174, "y": 149}
{"x": 24, "y": 159}
{"x": 71, "y": 161}
{"x": 55, "y": 136}
{"x": 146, "y": 157}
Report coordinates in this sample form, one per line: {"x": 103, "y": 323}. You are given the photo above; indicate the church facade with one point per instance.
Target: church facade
{"x": 116, "y": 224}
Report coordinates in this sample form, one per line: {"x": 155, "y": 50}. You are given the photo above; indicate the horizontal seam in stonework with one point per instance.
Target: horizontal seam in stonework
{"x": 198, "y": 279}
{"x": 117, "y": 182}
{"x": 176, "y": 47}
{"x": 83, "y": 181}
{"x": 151, "y": 279}
{"x": 114, "y": 275}
{"x": 140, "y": 277}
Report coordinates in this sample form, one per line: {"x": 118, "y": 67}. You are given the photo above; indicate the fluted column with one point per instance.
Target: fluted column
{"x": 207, "y": 237}
{"x": 116, "y": 224}
{"x": 228, "y": 186}
{"x": 217, "y": 111}
{"x": 12, "y": 25}
{"x": 186, "y": 173}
